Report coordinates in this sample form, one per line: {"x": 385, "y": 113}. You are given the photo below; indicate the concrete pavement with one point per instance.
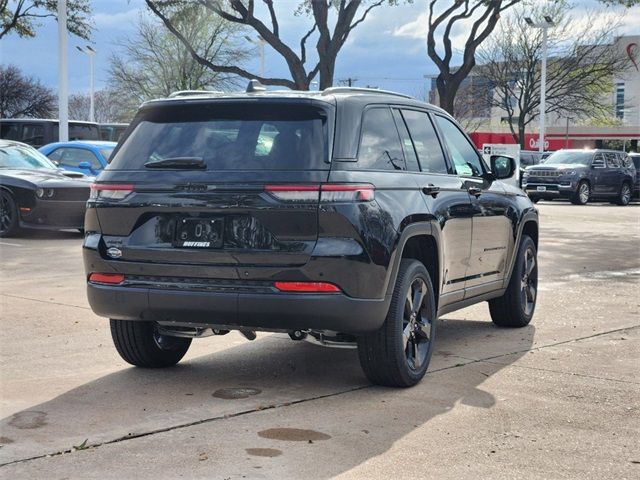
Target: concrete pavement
{"x": 558, "y": 399}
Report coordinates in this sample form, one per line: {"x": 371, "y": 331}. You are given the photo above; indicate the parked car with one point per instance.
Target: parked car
{"x": 38, "y": 132}
{"x": 112, "y": 132}
{"x": 582, "y": 175}
{"x": 346, "y": 217}
{"x": 88, "y": 157}
{"x": 531, "y": 157}
{"x": 34, "y": 193}
{"x": 635, "y": 158}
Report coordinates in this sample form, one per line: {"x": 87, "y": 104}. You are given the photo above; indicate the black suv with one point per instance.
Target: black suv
{"x": 582, "y": 175}
{"x": 344, "y": 217}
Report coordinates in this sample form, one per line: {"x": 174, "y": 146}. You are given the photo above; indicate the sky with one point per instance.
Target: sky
{"x": 387, "y": 51}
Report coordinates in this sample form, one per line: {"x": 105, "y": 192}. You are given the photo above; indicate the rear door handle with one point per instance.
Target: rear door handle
{"x": 431, "y": 190}
{"x": 475, "y": 191}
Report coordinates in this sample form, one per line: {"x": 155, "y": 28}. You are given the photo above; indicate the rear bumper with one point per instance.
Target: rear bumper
{"x": 256, "y": 311}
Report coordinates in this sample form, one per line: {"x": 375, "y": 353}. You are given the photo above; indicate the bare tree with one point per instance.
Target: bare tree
{"x": 155, "y": 63}
{"x": 478, "y": 18}
{"x": 580, "y": 68}
{"x": 332, "y": 22}
{"x": 24, "y": 16}
{"x": 22, "y": 96}
{"x": 108, "y": 107}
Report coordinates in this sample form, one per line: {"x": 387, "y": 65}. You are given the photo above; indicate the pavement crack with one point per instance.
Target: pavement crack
{"x": 43, "y": 301}
{"x": 470, "y": 361}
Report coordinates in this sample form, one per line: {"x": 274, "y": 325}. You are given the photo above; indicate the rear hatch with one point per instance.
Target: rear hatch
{"x": 217, "y": 182}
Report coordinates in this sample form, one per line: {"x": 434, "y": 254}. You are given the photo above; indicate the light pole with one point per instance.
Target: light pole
{"x": 92, "y": 54}
{"x": 548, "y": 22}
{"x": 63, "y": 88}
{"x": 260, "y": 42}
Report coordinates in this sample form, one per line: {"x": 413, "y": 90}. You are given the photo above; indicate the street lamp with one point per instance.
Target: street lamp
{"x": 63, "y": 91}
{"x": 544, "y": 25}
{"x": 260, "y": 42}
{"x": 91, "y": 53}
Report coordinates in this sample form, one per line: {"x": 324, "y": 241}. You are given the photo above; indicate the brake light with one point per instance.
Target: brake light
{"x": 294, "y": 193}
{"x": 110, "y": 191}
{"x": 327, "y": 193}
{"x": 107, "y": 278}
{"x": 307, "y": 287}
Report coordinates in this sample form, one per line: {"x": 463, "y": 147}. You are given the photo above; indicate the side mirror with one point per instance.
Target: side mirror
{"x": 502, "y": 166}
{"x": 87, "y": 166}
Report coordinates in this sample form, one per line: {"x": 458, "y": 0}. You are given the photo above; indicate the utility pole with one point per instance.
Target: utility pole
{"x": 63, "y": 87}
{"x": 349, "y": 81}
{"x": 548, "y": 22}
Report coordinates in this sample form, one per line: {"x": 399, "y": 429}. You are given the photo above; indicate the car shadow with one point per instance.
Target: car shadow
{"x": 134, "y": 402}
{"x": 35, "y": 234}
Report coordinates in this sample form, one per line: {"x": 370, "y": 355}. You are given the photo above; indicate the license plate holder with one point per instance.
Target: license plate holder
{"x": 199, "y": 232}
{"x": 541, "y": 189}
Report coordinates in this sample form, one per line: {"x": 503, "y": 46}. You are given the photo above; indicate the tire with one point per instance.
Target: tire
{"x": 582, "y": 193}
{"x": 9, "y": 223}
{"x": 139, "y": 344}
{"x": 624, "y": 197}
{"x": 398, "y": 354}
{"x": 516, "y": 307}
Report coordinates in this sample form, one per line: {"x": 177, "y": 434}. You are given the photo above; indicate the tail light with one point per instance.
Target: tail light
{"x": 326, "y": 193}
{"x": 107, "y": 278}
{"x": 307, "y": 287}
{"x": 109, "y": 191}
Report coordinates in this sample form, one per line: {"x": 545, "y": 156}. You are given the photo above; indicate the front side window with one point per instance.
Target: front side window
{"x": 410, "y": 156}
{"x": 33, "y": 134}
{"x": 380, "y": 147}
{"x": 229, "y": 136}
{"x": 426, "y": 141}
{"x": 464, "y": 155}
{"x": 73, "y": 157}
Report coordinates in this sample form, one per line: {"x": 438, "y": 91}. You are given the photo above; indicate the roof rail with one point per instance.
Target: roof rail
{"x": 332, "y": 90}
{"x": 189, "y": 93}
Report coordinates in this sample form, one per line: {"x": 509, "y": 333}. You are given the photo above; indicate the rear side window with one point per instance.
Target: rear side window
{"x": 612, "y": 160}
{"x": 380, "y": 147}
{"x": 10, "y": 131}
{"x": 410, "y": 155}
{"x": 81, "y": 131}
{"x": 424, "y": 138}
{"x": 464, "y": 155}
{"x": 230, "y": 137}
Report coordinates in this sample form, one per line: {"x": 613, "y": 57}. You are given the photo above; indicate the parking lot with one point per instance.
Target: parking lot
{"x": 557, "y": 399}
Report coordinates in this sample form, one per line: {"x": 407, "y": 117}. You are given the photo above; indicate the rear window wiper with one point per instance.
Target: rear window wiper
{"x": 178, "y": 162}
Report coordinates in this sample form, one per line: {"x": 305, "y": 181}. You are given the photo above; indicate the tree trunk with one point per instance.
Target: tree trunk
{"x": 446, "y": 95}
{"x": 521, "y": 130}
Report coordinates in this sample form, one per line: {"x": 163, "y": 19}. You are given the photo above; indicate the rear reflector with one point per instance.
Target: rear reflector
{"x": 110, "y": 191}
{"x": 329, "y": 193}
{"x": 107, "y": 278}
{"x": 309, "y": 287}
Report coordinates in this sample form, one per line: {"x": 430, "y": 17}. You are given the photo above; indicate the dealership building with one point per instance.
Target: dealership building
{"x": 490, "y": 124}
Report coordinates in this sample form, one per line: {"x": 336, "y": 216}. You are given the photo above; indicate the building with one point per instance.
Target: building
{"x": 489, "y": 124}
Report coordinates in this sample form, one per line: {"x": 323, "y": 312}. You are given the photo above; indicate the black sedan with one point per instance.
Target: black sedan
{"x": 35, "y": 193}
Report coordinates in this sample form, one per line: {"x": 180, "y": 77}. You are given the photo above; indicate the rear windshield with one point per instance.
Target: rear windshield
{"x": 238, "y": 136}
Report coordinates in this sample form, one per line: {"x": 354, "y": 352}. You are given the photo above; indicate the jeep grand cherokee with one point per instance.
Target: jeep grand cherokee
{"x": 344, "y": 216}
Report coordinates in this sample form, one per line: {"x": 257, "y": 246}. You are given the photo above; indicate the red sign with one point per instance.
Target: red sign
{"x": 531, "y": 141}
